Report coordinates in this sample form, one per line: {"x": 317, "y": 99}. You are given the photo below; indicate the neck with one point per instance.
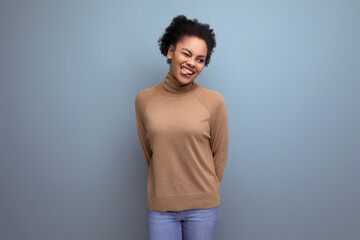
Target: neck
{"x": 173, "y": 85}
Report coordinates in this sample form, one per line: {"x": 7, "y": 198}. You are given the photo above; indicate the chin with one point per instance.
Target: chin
{"x": 185, "y": 80}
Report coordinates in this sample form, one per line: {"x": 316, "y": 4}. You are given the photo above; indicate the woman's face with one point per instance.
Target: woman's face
{"x": 189, "y": 55}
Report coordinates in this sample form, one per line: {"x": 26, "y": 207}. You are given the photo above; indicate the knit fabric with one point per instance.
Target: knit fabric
{"x": 183, "y": 132}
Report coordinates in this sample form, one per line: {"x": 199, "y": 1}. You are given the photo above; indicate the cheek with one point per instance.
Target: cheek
{"x": 200, "y": 67}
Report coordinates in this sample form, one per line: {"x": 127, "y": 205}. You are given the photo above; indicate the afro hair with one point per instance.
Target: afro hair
{"x": 181, "y": 27}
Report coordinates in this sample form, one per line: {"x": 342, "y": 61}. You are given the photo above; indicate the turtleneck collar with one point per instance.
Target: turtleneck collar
{"x": 171, "y": 84}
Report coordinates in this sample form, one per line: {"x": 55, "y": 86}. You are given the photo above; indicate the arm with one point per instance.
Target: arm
{"x": 219, "y": 140}
{"x": 144, "y": 141}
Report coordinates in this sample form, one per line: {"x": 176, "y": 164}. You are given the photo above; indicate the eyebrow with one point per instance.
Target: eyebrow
{"x": 191, "y": 53}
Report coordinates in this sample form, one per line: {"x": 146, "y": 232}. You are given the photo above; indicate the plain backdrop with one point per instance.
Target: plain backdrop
{"x": 71, "y": 163}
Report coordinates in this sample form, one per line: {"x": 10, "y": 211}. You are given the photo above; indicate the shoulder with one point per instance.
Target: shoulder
{"x": 145, "y": 95}
{"x": 211, "y": 96}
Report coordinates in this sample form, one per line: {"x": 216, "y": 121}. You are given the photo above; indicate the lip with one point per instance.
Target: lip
{"x": 189, "y": 69}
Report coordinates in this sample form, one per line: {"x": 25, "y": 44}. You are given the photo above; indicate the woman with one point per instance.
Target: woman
{"x": 183, "y": 131}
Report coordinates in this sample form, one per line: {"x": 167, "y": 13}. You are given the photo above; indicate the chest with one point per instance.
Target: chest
{"x": 180, "y": 117}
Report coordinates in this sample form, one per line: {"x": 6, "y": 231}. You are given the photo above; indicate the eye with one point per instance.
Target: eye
{"x": 186, "y": 54}
{"x": 201, "y": 60}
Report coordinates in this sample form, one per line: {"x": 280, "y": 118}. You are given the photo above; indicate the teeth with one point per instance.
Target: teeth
{"x": 188, "y": 71}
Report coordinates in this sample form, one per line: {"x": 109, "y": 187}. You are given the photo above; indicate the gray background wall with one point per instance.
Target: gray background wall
{"x": 71, "y": 165}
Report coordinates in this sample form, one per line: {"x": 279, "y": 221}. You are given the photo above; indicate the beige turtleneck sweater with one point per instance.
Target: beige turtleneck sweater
{"x": 183, "y": 132}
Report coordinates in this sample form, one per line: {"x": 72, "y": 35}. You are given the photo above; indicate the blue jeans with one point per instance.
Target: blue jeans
{"x": 193, "y": 224}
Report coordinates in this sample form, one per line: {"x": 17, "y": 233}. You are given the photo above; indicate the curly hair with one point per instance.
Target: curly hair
{"x": 181, "y": 27}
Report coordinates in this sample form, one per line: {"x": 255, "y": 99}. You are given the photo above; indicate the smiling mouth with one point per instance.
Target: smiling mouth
{"x": 186, "y": 72}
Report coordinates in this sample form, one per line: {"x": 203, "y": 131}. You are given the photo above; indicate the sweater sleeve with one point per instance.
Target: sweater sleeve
{"x": 219, "y": 140}
{"x": 144, "y": 141}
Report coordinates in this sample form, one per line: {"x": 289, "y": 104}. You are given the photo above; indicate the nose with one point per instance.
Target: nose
{"x": 191, "y": 63}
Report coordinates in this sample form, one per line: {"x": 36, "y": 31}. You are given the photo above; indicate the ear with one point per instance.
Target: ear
{"x": 170, "y": 53}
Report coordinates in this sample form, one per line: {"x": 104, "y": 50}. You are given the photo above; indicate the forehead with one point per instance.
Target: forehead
{"x": 197, "y": 46}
